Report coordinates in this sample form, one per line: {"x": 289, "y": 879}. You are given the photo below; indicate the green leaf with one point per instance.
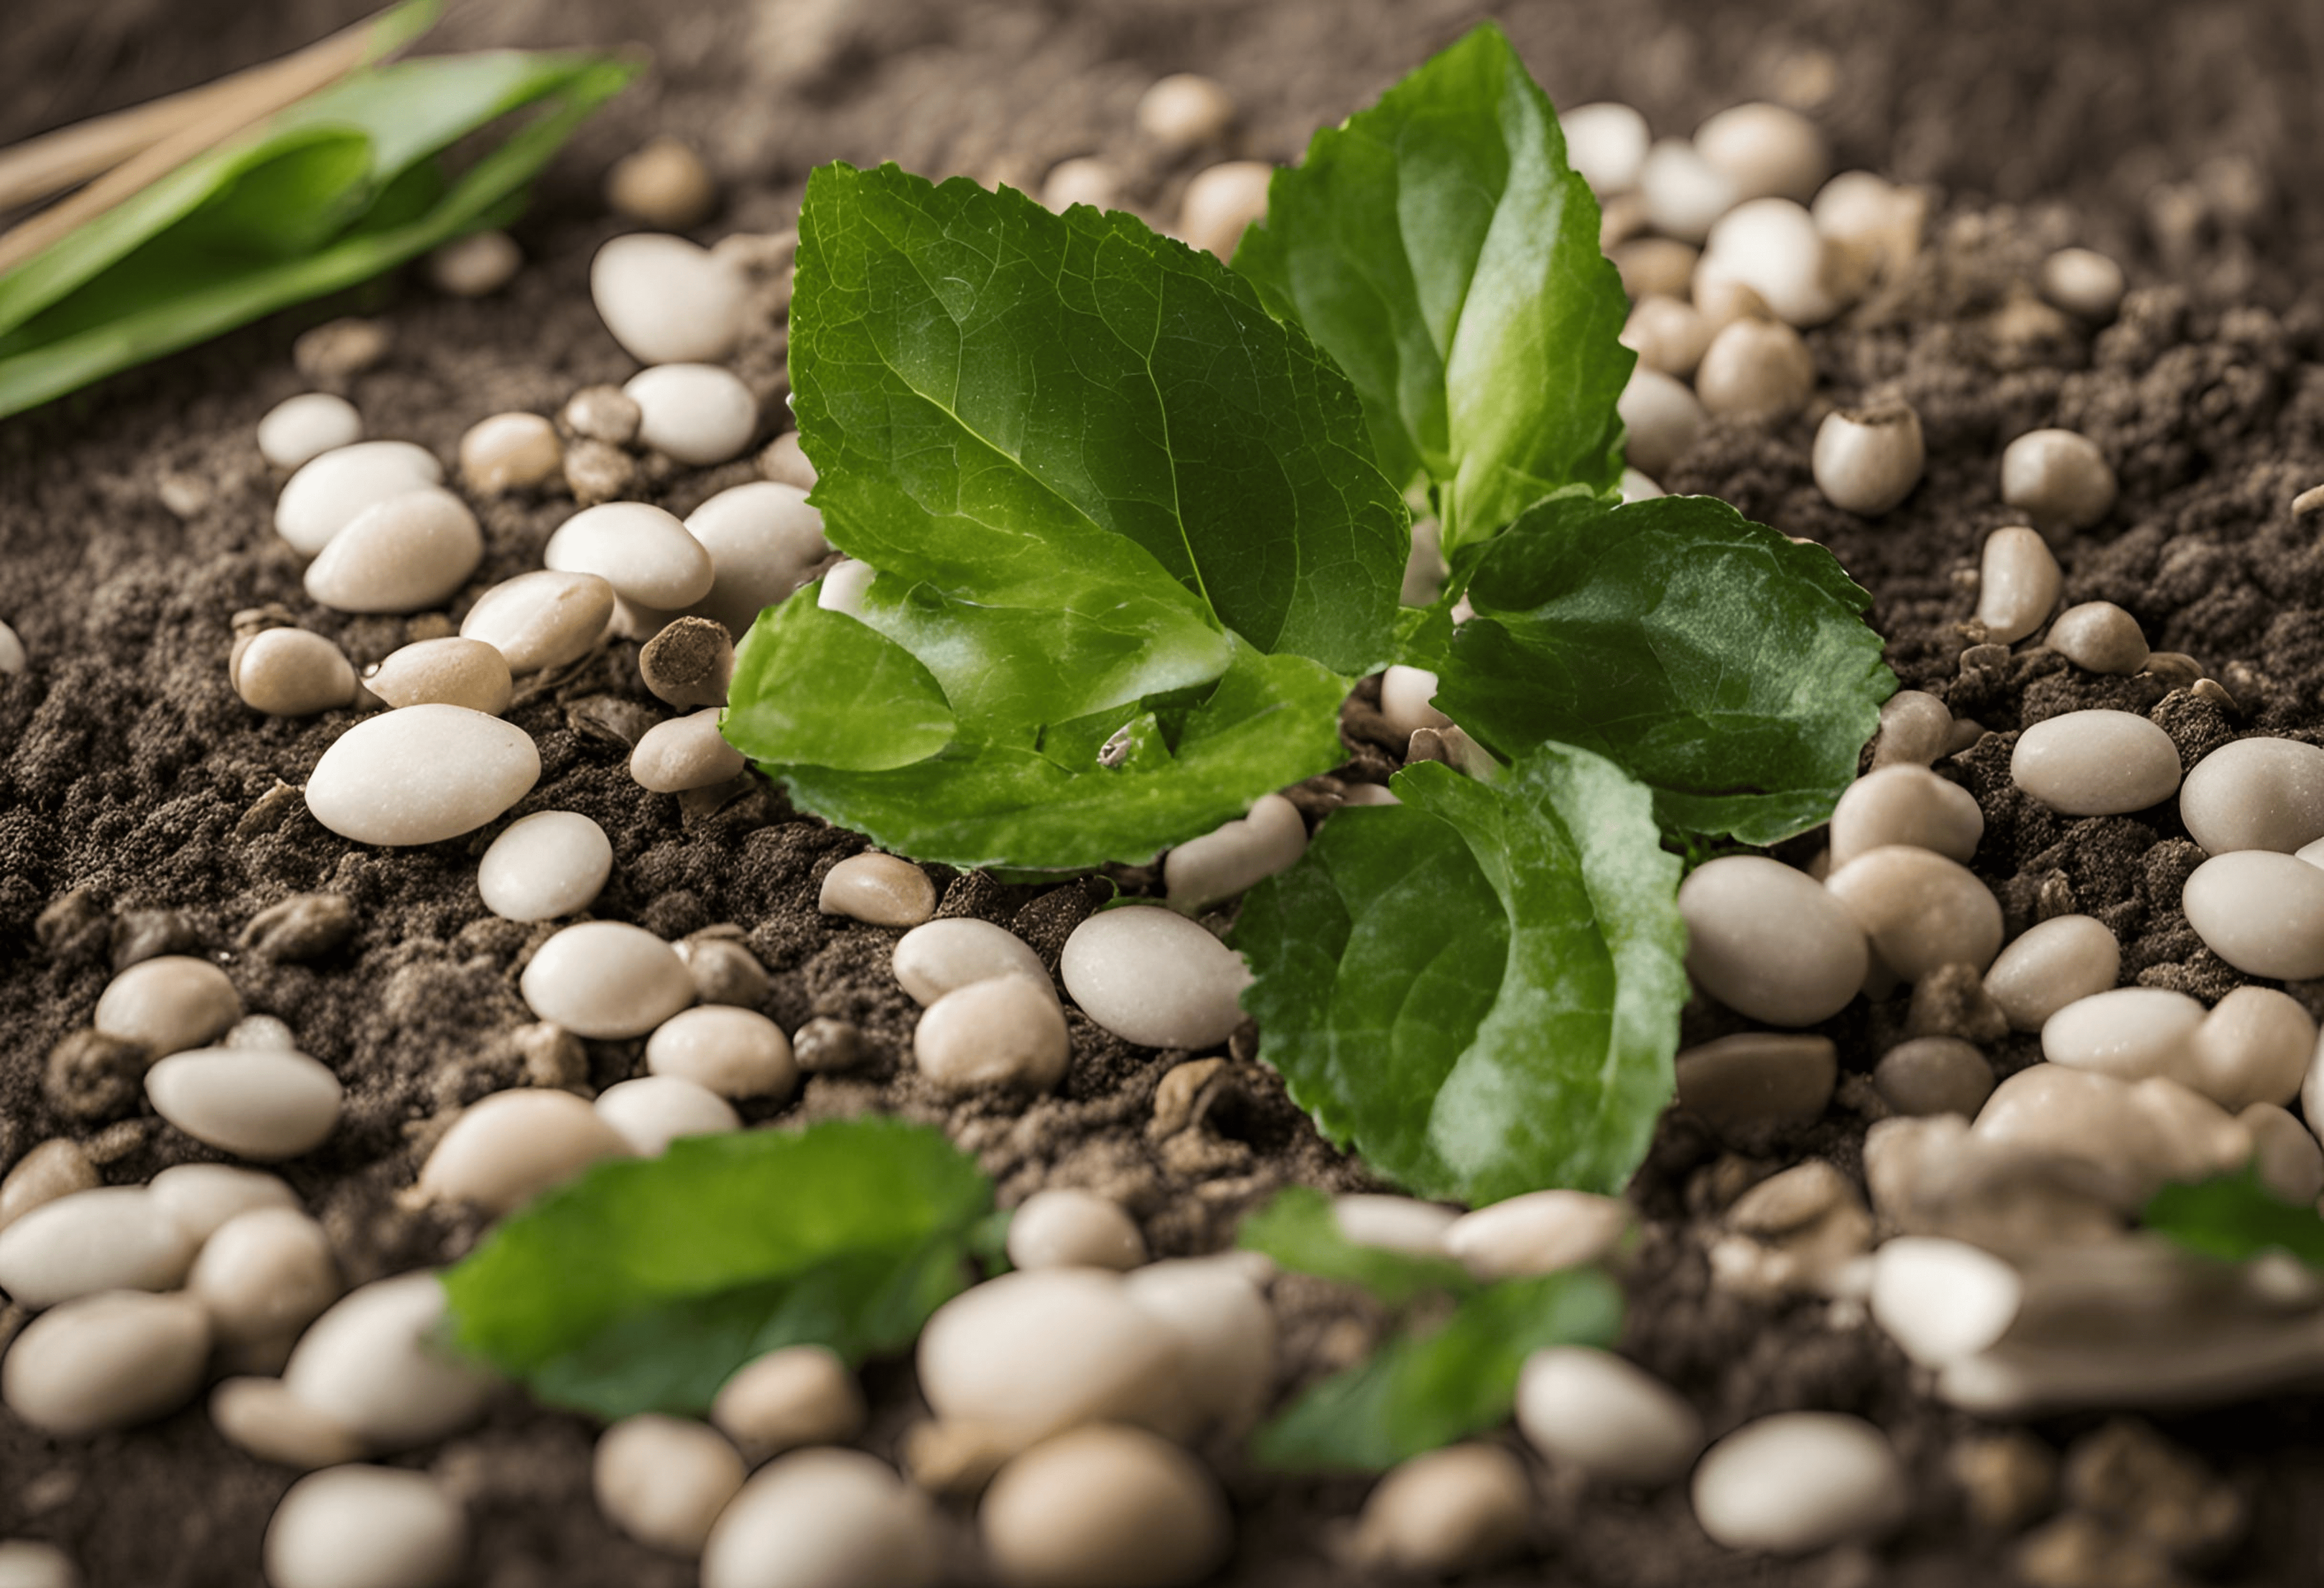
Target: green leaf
{"x": 287, "y": 213}
{"x": 1719, "y": 662}
{"x": 2235, "y": 1217}
{"x": 1423, "y": 1391}
{"x": 1439, "y": 248}
{"x": 1299, "y": 1230}
{"x": 645, "y": 1283}
{"x": 1478, "y": 989}
{"x": 808, "y": 680}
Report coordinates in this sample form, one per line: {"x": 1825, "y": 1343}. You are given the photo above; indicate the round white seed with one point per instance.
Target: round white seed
{"x": 2019, "y": 583}
{"x": 1237, "y": 855}
{"x": 2260, "y": 911}
{"x": 2099, "y": 637}
{"x": 880, "y": 889}
{"x": 2058, "y": 477}
{"x": 1797, "y": 1482}
{"x": 684, "y": 752}
{"x": 56, "y": 1168}
{"x": 202, "y": 1196}
{"x": 542, "y": 620}
{"x": 1153, "y": 977}
{"x": 666, "y": 300}
{"x": 1770, "y": 942}
{"x": 331, "y": 489}
{"x": 824, "y": 1518}
{"x": 109, "y": 1238}
{"x": 510, "y": 1147}
{"x": 664, "y": 184}
{"x": 263, "y": 1103}
{"x": 263, "y": 1417}
{"x": 1920, "y": 909}
{"x": 1903, "y": 803}
{"x": 421, "y": 775}
{"x": 732, "y": 1052}
{"x": 764, "y": 542}
{"x": 264, "y": 1273}
{"x": 1082, "y": 179}
{"x": 651, "y": 1112}
{"x": 1006, "y": 1031}
{"x": 450, "y": 671}
{"x": 1609, "y": 1418}
{"x": 551, "y": 863}
{"x": 1756, "y": 369}
{"x": 1661, "y": 418}
{"x": 1066, "y": 1227}
{"x": 1772, "y": 246}
{"x": 798, "y": 1395}
{"x": 697, "y": 413}
{"x": 2258, "y": 793}
{"x": 510, "y": 452}
{"x": 642, "y": 551}
{"x": 606, "y": 979}
{"x": 1685, "y": 194}
{"x": 1943, "y": 1300}
{"x": 374, "y": 1365}
{"x": 1667, "y": 334}
{"x": 307, "y": 426}
{"x": 2061, "y": 959}
{"x": 365, "y": 1527}
{"x": 1868, "y": 460}
{"x": 664, "y": 1480}
{"x": 1765, "y": 150}
{"x": 1040, "y": 1350}
{"x": 1538, "y": 1232}
{"x": 934, "y": 959}
{"x": 1103, "y": 1505}
{"x": 2096, "y": 763}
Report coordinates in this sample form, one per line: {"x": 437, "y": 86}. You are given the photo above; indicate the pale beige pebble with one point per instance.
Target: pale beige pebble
{"x": 651, "y": 1112}
{"x": 937, "y": 956}
{"x": 1933, "y": 1074}
{"x": 842, "y": 589}
{"x": 1661, "y": 419}
{"x": 785, "y": 462}
{"x": 1914, "y": 727}
{"x": 606, "y": 979}
{"x": 477, "y": 265}
{"x": 261, "y": 1417}
{"x": 1407, "y": 700}
{"x": 1757, "y": 1079}
{"x": 792, "y": 1396}
{"x": 1082, "y": 179}
{"x": 510, "y": 452}
{"x": 1799, "y": 1481}
{"x": 107, "y": 1238}
{"x": 421, "y": 775}
{"x": 1537, "y": 1233}
{"x": 307, "y": 426}
{"x": 262, "y": 1104}
{"x": 551, "y": 863}
{"x": 644, "y": 552}
{"x": 2062, "y": 959}
{"x": 1651, "y": 265}
{"x": 2127, "y": 1032}
{"x": 2144, "y": 1132}
{"x": 1772, "y": 246}
{"x": 13, "y": 661}
{"x": 2194, "y": 1136}
{"x": 376, "y": 1364}
{"x": 1153, "y": 977}
{"x": 1668, "y": 334}
{"x": 1039, "y": 1350}
{"x": 449, "y": 671}
{"x": 2260, "y": 911}
{"x": 697, "y": 413}
{"x": 1609, "y": 1418}
{"x": 1446, "y": 1511}
{"x": 1607, "y": 142}
{"x": 2289, "y": 1161}
{"x": 1770, "y": 942}
{"x": 27, "y": 1562}
{"x": 1226, "y": 1334}
{"x": 1721, "y": 301}
{"x": 1685, "y": 194}
{"x": 684, "y": 752}
{"x": 507, "y": 1149}
{"x": 58, "y": 1168}
{"x": 1637, "y": 487}
{"x": 2256, "y": 793}
{"x": 663, "y": 1480}
{"x": 1765, "y": 150}
{"x": 2059, "y": 477}
{"x": 2096, "y": 763}
{"x": 331, "y": 489}
{"x": 1919, "y": 910}
{"x": 339, "y": 348}
{"x": 2083, "y": 282}
{"x": 1868, "y": 460}
{"x": 2101, "y": 637}
{"x": 662, "y": 183}
{"x": 202, "y": 1196}
{"x": 1395, "y": 1224}
{"x": 881, "y": 888}
{"x": 1103, "y": 1507}
{"x": 290, "y": 672}
{"x": 1903, "y": 803}
{"x": 1004, "y": 1031}
{"x": 667, "y": 301}
{"x": 1235, "y": 856}
{"x": 764, "y": 542}
{"x": 2307, "y": 502}
{"x": 365, "y": 1527}
{"x": 112, "y": 1360}
{"x": 2019, "y": 583}
{"x": 825, "y": 1518}
{"x": 1943, "y": 1300}
{"x": 1184, "y": 110}
{"x": 1754, "y": 369}
{"x": 1065, "y": 1226}
{"x": 1220, "y": 202}
{"x": 732, "y": 1052}
{"x": 542, "y": 620}
{"x": 2254, "y": 1047}
{"x": 265, "y": 1272}
{"x": 168, "y": 1004}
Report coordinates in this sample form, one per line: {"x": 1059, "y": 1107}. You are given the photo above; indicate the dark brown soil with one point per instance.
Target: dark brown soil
{"x": 2186, "y": 139}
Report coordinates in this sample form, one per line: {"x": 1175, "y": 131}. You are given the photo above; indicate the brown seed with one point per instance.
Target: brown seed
{"x": 689, "y": 662}
{"x": 724, "y": 971}
{"x": 664, "y": 184}
{"x": 824, "y": 1044}
{"x": 139, "y": 934}
{"x": 603, "y": 413}
{"x": 337, "y": 349}
{"x": 509, "y": 452}
{"x": 596, "y": 472}
{"x": 304, "y": 926}
{"x": 92, "y": 1077}
{"x": 1934, "y": 1074}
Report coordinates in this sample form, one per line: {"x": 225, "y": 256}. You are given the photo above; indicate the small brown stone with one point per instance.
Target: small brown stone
{"x": 553, "y": 1057}
{"x": 92, "y": 1077}
{"x": 304, "y": 926}
{"x": 1934, "y": 1074}
{"x": 1951, "y": 1001}
{"x": 139, "y": 934}
{"x": 1743, "y": 1086}
{"x": 596, "y": 472}
{"x": 2007, "y": 1480}
{"x": 827, "y": 1044}
{"x": 2079, "y": 1551}
{"x": 603, "y": 413}
{"x": 689, "y": 662}
{"x": 72, "y": 926}
{"x": 339, "y": 349}
{"x": 724, "y": 971}
{"x": 2153, "y": 1490}
{"x": 1792, "y": 1200}
{"x": 269, "y": 811}
{"x": 1178, "y": 1100}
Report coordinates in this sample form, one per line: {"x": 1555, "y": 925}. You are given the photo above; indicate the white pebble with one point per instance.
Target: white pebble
{"x": 26, "y": 1563}
{"x": 664, "y": 1480}
{"x": 2017, "y": 584}
{"x": 264, "y": 1274}
{"x": 1153, "y": 977}
{"x": 477, "y": 265}
{"x": 289, "y": 672}
{"x": 883, "y": 889}
{"x": 1538, "y": 1232}
{"x": 331, "y": 489}
{"x": 824, "y": 1518}
{"x": 108, "y": 1360}
{"x": 2260, "y": 911}
{"x": 2058, "y": 477}
{"x": 684, "y": 752}
{"x": 1066, "y": 1227}
{"x": 551, "y": 863}
{"x": 2099, "y": 637}
{"x": 651, "y": 1112}
{"x": 732, "y": 1052}
{"x": 263, "y": 1103}
{"x": 697, "y": 413}
{"x": 1868, "y": 460}
{"x": 1914, "y": 729}
{"x": 263, "y": 1418}
{"x": 13, "y": 661}
{"x": 375, "y": 1364}
{"x": 59, "y": 1166}
{"x": 792, "y": 1396}
{"x": 2258, "y": 793}
{"x": 1943, "y": 1300}
{"x": 1606, "y": 1416}
{"x": 1770, "y": 942}
{"x": 1226, "y": 1335}
{"x": 1235, "y": 856}
{"x": 169, "y": 1003}
{"x": 2254, "y": 1046}
{"x": 449, "y": 671}
{"x": 1668, "y": 335}
{"x": 365, "y": 1527}
{"x": 606, "y": 979}
{"x": 1606, "y": 144}
{"x": 1765, "y": 150}
{"x": 1756, "y": 369}
{"x": 2127, "y": 1032}
{"x": 1685, "y": 194}
{"x": 1799, "y": 1481}
{"x": 1184, "y": 110}
{"x": 2083, "y": 282}
{"x": 1772, "y": 246}
{"x": 1082, "y": 179}
{"x": 507, "y": 1149}
{"x": 111, "y": 1238}
{"x": 763, "y": 541}
{"x": 2051, "y": 964}
{"x": 642, "y": 551}
{"x": 1920, "y": 909}
{"x": 1039, "y": 1350}
{"x": 1905, "y": 804}
{"x": 937, "y": 956}
{"x": 666, "y": 300}
{"x": 2096, "y": 763}
{"x": 202, "y": 1196}
{"x": 1661, "y": 419}
{"x": 1004, "y": 1031}
{"x": 510, "y": 452}
{"x": 543, "y": 619}
{"x": 1103, "y": 1507}
{"x": 421, "y": 775}
{"x": 1220, "y": 202}
{"x": 307, "y": 426}
{"x": 842, "y": 588}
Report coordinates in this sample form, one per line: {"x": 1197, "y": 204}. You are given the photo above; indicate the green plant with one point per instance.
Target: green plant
{"x": 2234, "y": 1218}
